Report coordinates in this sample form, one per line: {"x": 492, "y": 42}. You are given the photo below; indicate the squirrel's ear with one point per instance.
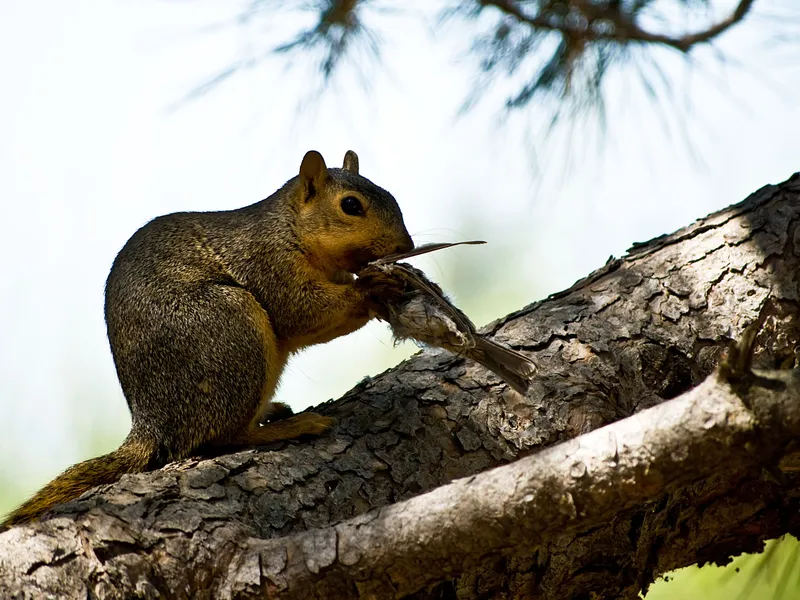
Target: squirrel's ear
{"x": 351, "y": 162}
{"x": 313, "y": 173}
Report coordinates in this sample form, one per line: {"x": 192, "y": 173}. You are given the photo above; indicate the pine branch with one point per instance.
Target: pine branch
{"x": 608, "y": 22}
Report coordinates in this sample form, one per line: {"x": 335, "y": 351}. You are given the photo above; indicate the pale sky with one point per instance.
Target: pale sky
{"x": 90, "y": 151}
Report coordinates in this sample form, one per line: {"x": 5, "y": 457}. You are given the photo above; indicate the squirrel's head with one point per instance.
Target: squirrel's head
{"x": 344, "y": 219}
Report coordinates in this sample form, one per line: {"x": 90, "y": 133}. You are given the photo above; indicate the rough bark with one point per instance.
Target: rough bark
{"x": 566, "y": 489}
{"x": 644, "y": 329}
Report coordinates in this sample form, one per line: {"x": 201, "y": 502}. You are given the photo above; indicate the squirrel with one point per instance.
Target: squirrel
{"x": 203, "y": 310}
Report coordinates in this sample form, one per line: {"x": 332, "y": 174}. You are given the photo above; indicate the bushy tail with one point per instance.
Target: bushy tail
{"x": 133, "y": 456}
{"x": 512, "y": 367}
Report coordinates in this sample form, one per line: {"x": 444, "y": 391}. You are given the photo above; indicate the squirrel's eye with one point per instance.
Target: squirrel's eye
{"x": 352, "y": 206}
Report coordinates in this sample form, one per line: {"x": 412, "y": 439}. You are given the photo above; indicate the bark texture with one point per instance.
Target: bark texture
{"x": 646, "y": 328}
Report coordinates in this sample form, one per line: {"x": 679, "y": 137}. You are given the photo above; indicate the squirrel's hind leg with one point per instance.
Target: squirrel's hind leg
{"x": 286, "y": 429}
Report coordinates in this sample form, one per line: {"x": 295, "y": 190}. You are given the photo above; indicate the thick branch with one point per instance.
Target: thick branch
{"x": 573, "y": 487}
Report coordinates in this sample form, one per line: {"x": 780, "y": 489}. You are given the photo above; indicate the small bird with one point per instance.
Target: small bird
{"x": 421, "y": 311}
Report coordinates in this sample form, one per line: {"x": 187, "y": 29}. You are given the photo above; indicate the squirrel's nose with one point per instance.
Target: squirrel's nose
{"x": 407, "y": 245}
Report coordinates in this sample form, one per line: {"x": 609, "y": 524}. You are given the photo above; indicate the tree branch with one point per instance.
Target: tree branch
{"x": 525, "y": 506}
{"x": 623, "y": 29}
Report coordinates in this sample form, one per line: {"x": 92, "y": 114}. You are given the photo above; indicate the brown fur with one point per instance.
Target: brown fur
{"x": 204, "y": 309}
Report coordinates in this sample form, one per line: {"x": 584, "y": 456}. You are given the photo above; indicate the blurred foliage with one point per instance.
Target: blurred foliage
{"x": 559, "y": 53}
{"x": 772, "y": 575}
